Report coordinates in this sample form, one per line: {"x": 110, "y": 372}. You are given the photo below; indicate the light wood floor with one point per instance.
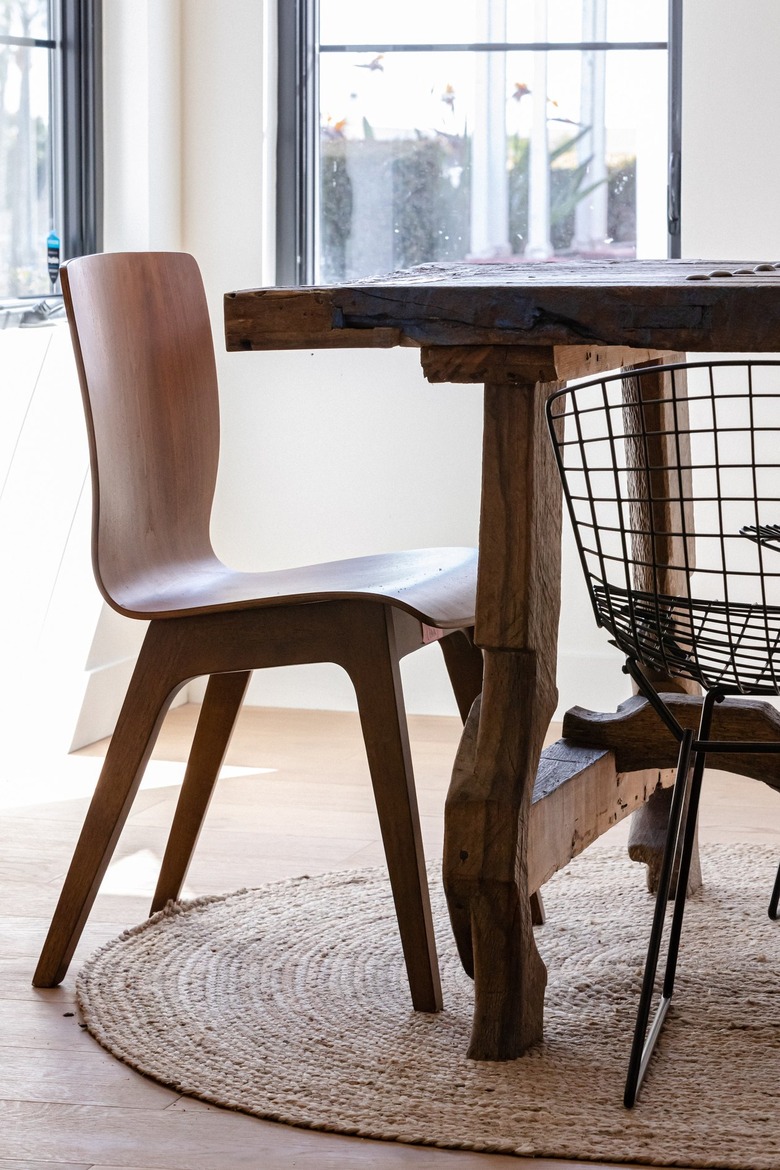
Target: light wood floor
{"x": 294, "y": 799}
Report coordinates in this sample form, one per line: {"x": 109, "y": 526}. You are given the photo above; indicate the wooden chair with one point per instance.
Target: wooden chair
{"x": 671, "y": 475}
{"x": 145, "y": 357}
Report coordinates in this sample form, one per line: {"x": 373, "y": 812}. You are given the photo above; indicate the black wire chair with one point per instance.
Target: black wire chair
{"x": 671, "y": 475}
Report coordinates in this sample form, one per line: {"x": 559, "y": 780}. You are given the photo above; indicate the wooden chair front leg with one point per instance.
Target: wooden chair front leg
{"x": 375, "y": 674}
{"x": 152, "y": 687}
{"x": 221, "y": 705}
{"x": 464, "y": 662}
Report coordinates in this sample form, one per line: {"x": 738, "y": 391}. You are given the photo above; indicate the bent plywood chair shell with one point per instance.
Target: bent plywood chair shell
{"x": 145, "y": 357}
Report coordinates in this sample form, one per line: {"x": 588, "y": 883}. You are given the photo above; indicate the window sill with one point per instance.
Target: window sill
{"x": 31, "y": 313}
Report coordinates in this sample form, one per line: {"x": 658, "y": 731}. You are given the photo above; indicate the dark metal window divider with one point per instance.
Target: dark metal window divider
{"x": 296, "y": 149}
{"x": 82, "y": 127}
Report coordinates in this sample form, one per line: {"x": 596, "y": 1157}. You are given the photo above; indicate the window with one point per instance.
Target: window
{"x": 49, "y": 143}
{"x": 541, "y": 128}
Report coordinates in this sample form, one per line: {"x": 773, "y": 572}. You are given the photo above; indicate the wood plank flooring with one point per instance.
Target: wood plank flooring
{"x": 294, "y": 798}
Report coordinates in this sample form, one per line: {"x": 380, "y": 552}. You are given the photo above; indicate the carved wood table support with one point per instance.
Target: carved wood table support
{"x": 488, "y": 808}
{"x": 485, "y": 862}
{"x": 577, "y": 795}
{"x": 637, "y": 736}
{"x": 518, "y": 601}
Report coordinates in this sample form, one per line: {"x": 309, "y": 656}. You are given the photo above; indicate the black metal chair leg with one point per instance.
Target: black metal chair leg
{"x": 773, "y": 901}
{"x": 640, "y": 1051}
{"x": 680, "y": 833}
{"x": 689, "y": 837}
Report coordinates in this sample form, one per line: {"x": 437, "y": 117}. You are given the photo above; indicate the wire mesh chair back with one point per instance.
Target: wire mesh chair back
{"x": 671, "y": 475}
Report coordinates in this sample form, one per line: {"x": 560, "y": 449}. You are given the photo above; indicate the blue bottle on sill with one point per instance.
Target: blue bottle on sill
{"x": 53, "y": 257}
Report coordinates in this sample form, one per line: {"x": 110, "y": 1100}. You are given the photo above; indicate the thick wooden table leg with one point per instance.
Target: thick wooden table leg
{"x": 487, "y": 812}
{"x": 485, "y": 859}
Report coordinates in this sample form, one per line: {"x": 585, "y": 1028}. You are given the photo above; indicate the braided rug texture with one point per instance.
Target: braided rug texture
{"x": 290, "y": 1002}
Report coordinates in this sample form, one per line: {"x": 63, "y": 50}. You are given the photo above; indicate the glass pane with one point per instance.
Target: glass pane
{"x": 25, "y": 18}
{"x": 480, "y": 156}
{"x": 361, "y": 22}
{"x": 394, "y": 161}
{"x": 553, "y": 20}
{"x": 349, "y": 22}
{"x": 629, "y": 21}
{"x": 587, "y": 20}
{"x": 25, "y": 170}
{"x": 606, "y": 145}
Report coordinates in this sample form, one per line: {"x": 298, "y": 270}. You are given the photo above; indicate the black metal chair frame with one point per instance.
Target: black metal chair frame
{"x": 620, "y": 511}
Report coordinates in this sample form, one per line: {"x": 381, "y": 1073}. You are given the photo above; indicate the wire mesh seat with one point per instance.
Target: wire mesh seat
{"x": 671, "y": 476}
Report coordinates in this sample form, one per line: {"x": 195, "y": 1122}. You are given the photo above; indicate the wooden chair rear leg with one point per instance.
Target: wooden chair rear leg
{"x": 149, "y": 695}
{"x": 221, "y": 705}
{"x": 376, "y": 676}
{"x": 464, "y": 664}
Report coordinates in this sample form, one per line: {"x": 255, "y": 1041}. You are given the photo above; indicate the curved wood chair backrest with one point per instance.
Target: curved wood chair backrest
{"x": 145, "y": 358}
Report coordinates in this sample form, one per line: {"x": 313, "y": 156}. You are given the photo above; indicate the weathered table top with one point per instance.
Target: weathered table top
{"x": 659, "y": 304}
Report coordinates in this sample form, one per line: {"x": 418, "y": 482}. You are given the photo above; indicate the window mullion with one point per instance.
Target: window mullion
{"x": 297, "y": 141}
{"x": 81, "y": 127}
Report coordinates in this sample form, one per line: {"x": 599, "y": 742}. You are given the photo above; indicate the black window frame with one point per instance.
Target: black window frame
{"x": 79, "y": 127}
{"x": 81, "y": 46}
{"x": 298, "y": 127}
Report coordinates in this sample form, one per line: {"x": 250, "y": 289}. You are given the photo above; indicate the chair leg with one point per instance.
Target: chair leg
{"x": 641, "y": 1050}
{"x": 375, "y": 674}
{"x": 538, "y": 916}
{"x": 464, "y": 664}
{"x": 221, "y": 705}
{"x": 773, "y": 901}
{"x": 680, "y": 839}
{"x": 148, "y": 697}
{"x": 690, "y": 817}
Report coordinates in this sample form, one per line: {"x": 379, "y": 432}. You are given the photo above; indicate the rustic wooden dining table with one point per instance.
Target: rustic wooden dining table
{"x": 514, "y": 815}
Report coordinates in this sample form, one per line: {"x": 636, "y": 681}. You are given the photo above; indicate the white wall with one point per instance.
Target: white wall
{"x": 47, "y": 596}
{"x": 324, "y": 455}
{"x": 731, "y": 110}
{"x": 143, "y": 209}
{"x": 61, "y": 644}
{"x": 62, "y": 633}
{"x": 142, "y": 124}
{"x": 330, "y": 454}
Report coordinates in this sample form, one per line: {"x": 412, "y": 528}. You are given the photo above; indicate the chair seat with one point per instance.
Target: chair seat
{"x": 715, "y": 643}
{"x": 436, "y": 585}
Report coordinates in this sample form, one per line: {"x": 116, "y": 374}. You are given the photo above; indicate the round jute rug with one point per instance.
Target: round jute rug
{"x": 290, "y": 1002}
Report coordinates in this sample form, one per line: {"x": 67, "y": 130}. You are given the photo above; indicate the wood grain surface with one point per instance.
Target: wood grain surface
{"x": 654, "y": 304}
